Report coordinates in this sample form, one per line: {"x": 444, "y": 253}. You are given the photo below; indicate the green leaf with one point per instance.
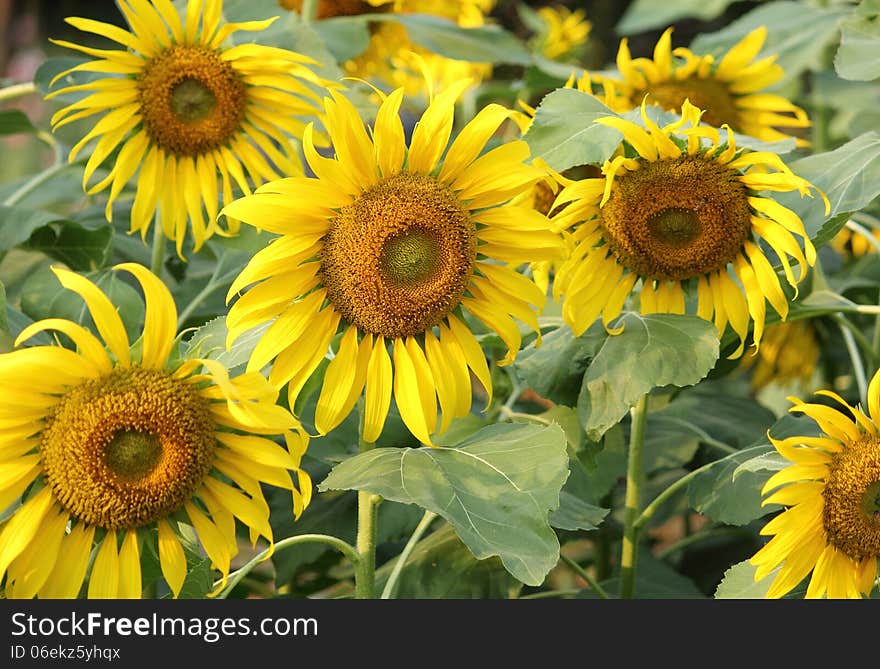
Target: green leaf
{"x": 850, "y": 178}
{"x": 563, "y": 132}
{"x": 441, "y": 567}
{"x": 480, "y": 44}
{"x": 652, "y": 351}
{"x": 15, "y": 122}
{"x": 576, "y": 514}
{"x": 496, "y": 489}
{"x": 858, "y": 57}
{"x": 554, "y": 370}
{"x": 797, "y": 33}
{"x": 52, "y": 67}
{"x": 77, "y": 247}
{"x": 17, "y": 224}
{"x": 729, "y": 491}
{"x": 643, "y": 15}
{"x": 739, "y": 583}
{"x": 209, "y": 341}
{"x": 344, "y": 36}
{"x": 728, "y": 498}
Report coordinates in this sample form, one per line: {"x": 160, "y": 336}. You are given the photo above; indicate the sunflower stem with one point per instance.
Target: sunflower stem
{"x": 17, "y": 91}
{"x": 334, "y": 542}
{"x": 202, "y": 295}
{"x": 309, "y": 10}
{"x": 649, "y": 511}
{"x": 157, "y": 260}
{"x": 584, "y": 574}
{"x": 634, "y": 479}
{"x": 35, "y": 182}
{"x": 391, "y": 585}
{"x": 365, "y": 567}
{"x": 853, "y": 350}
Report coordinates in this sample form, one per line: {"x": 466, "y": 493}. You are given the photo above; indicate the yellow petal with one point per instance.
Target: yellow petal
{"x": 103, "y": 313}
{"x": 339, "y": 379}
{"x": 76, "y": 548}
{"x": 130, "y": 567}
{"x": 377, "y": 396}
{"x": 23, "y": 526}
{"x": 476, "y": 358}
{"x": 160, "y": 320}
{"x": 171, "y": 557}
{"x": 431, "y": 134}
{"x": 104, "y": 577}
{"x": 414, "y": 389}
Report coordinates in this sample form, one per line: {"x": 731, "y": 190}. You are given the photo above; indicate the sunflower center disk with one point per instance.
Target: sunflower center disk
{"x": 852, "y": 500}
{"x": 708, "y": 94}
{"x": 677, "y": 218}
{"x": 192, "y": 101}
{"x": 128, "y": 448}
{"x": 398, "y": 259}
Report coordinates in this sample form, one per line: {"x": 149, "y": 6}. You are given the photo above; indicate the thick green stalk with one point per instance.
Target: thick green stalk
{"x": 157, "y": 260}
{"x": 309, "y": 10}
{"x": 365, "y": 568}
{"x": 634, "y": 479}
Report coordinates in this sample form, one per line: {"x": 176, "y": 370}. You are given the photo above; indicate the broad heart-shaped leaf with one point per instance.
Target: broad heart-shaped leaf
{"x": 652, "y": 351}
{"x": 554, "y": 370}
{"x": 576, "y": 510}
{"x": 643, "y": 15}
{"x": 797, "y": 34}
{"x": 850, "y": 178}
{"x": 739, "y": 583}
{"x": 77, "y": 247}
{"x": 17, "y": 224}
{"x": 564, "y": 134}
{"x": 729, "y": 490}
{"x": 15, "y": 122}
{"x": 209, "y": 341}
{"x": 441, "y": 567}
{"x": 858, "y": 57}
{"x": 344, "y": 36}
{"x": 496, "y": 488}
{"x": 725, "y": 498}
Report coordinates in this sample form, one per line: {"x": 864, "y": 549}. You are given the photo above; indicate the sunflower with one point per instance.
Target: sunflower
{"x": 852, "y": 244}
{"x": 831, "y": 526}
{"x": 117, "y": 449}
{"x": 565, "y": 32}
{"x": 183, "y": 106}
{"x": 731, "y": 90}
{"x": 686, "y": 209}
{"x": 390, "y": 248}
{"x": 789, "y": 353}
